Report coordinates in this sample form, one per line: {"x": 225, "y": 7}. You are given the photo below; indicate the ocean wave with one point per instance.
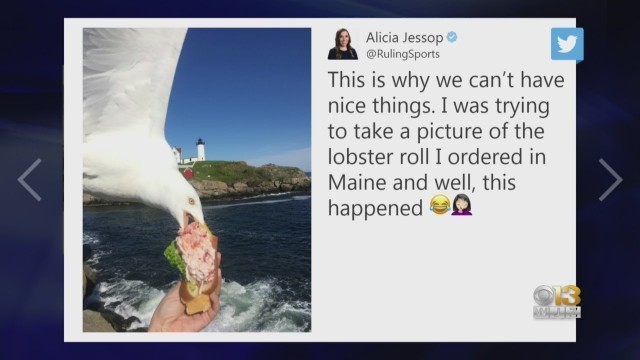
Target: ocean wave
{"x": 131, "y": 298}
{"x": 97, "y": 254}
{"x": 302, "y": 197}
{"x": 266, "y": 195}
{"x": 245, "y": 203}
{"x": 257, "y": 306}
{"x": 90, "y": 238}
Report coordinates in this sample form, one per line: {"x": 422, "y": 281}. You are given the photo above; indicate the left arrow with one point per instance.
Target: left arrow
{"x": 24, "y": 183}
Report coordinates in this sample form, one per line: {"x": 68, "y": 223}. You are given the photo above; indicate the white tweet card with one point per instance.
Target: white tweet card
{"x": 402, "y": 180}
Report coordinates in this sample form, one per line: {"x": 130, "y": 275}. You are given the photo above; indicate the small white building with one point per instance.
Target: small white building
{"x": 188, "y": 160}
{"x": 177, "y": 152}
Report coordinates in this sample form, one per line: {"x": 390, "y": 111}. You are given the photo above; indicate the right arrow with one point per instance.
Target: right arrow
{"x": 615, "y": 184}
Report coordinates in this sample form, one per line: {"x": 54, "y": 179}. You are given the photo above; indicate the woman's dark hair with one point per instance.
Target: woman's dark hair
{"x": 338, "y": 53}
{"x": 463, "y": 197}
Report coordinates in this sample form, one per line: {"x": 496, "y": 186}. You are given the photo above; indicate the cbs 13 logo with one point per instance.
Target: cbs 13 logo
{"x": 546, "y": 295}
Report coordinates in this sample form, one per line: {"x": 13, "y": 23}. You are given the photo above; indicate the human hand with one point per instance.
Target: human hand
{"x": 170, "y": 315}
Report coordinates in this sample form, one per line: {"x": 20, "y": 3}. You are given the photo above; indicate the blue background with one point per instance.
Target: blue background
{"x": 31, "y": 305}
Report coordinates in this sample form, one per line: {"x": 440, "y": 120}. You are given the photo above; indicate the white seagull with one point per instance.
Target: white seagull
{"x": 128, "y": 74}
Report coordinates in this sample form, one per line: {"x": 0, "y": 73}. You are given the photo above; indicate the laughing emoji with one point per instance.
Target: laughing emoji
{"x": 440, "y": 204}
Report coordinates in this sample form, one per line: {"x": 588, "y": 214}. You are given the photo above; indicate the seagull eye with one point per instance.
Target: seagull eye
{"x": 191, "y": 201}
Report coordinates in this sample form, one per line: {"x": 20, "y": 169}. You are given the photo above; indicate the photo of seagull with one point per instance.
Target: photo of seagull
{"x": 151, "y": 97}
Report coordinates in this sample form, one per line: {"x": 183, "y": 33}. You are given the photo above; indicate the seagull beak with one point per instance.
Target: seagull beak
{"x": 188, "y": 219}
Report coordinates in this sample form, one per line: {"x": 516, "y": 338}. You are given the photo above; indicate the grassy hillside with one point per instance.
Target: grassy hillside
{"x": 231, "y": 172}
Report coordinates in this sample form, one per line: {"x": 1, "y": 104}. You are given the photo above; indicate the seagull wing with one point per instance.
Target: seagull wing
{"x": 128, "y": 74}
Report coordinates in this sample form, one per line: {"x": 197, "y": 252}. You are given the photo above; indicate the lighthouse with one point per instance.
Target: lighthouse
{"x": 200, "y": 146}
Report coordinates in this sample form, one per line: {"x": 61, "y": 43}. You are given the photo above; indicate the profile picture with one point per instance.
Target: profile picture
{"x": 342, "y": 49}
{"x": 461, "y": 205}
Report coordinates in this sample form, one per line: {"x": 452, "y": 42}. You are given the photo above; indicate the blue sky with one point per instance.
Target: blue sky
{"x": 246, "y": 93}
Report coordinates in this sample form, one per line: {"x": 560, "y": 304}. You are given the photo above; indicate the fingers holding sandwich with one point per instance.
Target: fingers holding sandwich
{"x": 203, "y": 319}
{"x": 171, "y": 315}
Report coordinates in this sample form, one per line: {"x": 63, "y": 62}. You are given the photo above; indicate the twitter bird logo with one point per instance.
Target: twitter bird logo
{"x": 567, "y": 44}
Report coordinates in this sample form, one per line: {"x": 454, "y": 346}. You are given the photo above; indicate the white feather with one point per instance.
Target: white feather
{"x": 128, "y": 75}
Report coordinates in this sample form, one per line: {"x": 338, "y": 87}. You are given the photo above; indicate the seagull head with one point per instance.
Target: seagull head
{"x": 179, "y": 198}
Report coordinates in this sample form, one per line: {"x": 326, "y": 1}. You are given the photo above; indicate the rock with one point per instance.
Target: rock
{"x": 94, "y": 322}
{"x": 89, "y": 273}
{"x": 240, "y": 187}
{"x": 220, "y": 185}
{"x": 87, "y": 252}
{"x": 118, "y": 322}
{"x": 140, "y": 329}
{"x": 88, "y": 281}
{"x": 105, "y": 321}
{"x": 212, "y": 185}
{"x": 286, "y": 187}
{"x": 209, "y": 188}
{"x": 267, "y": 185}
{"x": 96, "y": 306}
{"x": 303, "y": 184}
{"x": 86, "y": 198}
{"x": 94, "y": 201}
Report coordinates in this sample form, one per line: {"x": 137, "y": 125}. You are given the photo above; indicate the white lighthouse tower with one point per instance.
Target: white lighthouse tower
{"x": 200, "y": 146}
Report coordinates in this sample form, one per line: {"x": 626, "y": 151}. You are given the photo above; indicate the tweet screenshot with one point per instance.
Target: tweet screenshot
{"x": 370, "y": 180}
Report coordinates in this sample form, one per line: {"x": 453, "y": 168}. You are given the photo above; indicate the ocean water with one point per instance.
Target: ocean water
{"x": 266, "y": 261}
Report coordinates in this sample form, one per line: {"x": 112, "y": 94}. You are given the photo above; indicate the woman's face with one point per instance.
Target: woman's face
{"x": 461, "y": 204}
{"x": 344, "y": 38}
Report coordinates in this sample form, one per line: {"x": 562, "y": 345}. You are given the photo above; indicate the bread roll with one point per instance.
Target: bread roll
{"x": 196, "y": 301}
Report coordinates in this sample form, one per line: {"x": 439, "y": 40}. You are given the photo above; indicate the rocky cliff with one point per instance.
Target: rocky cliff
{"x": 235, "y": 179}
